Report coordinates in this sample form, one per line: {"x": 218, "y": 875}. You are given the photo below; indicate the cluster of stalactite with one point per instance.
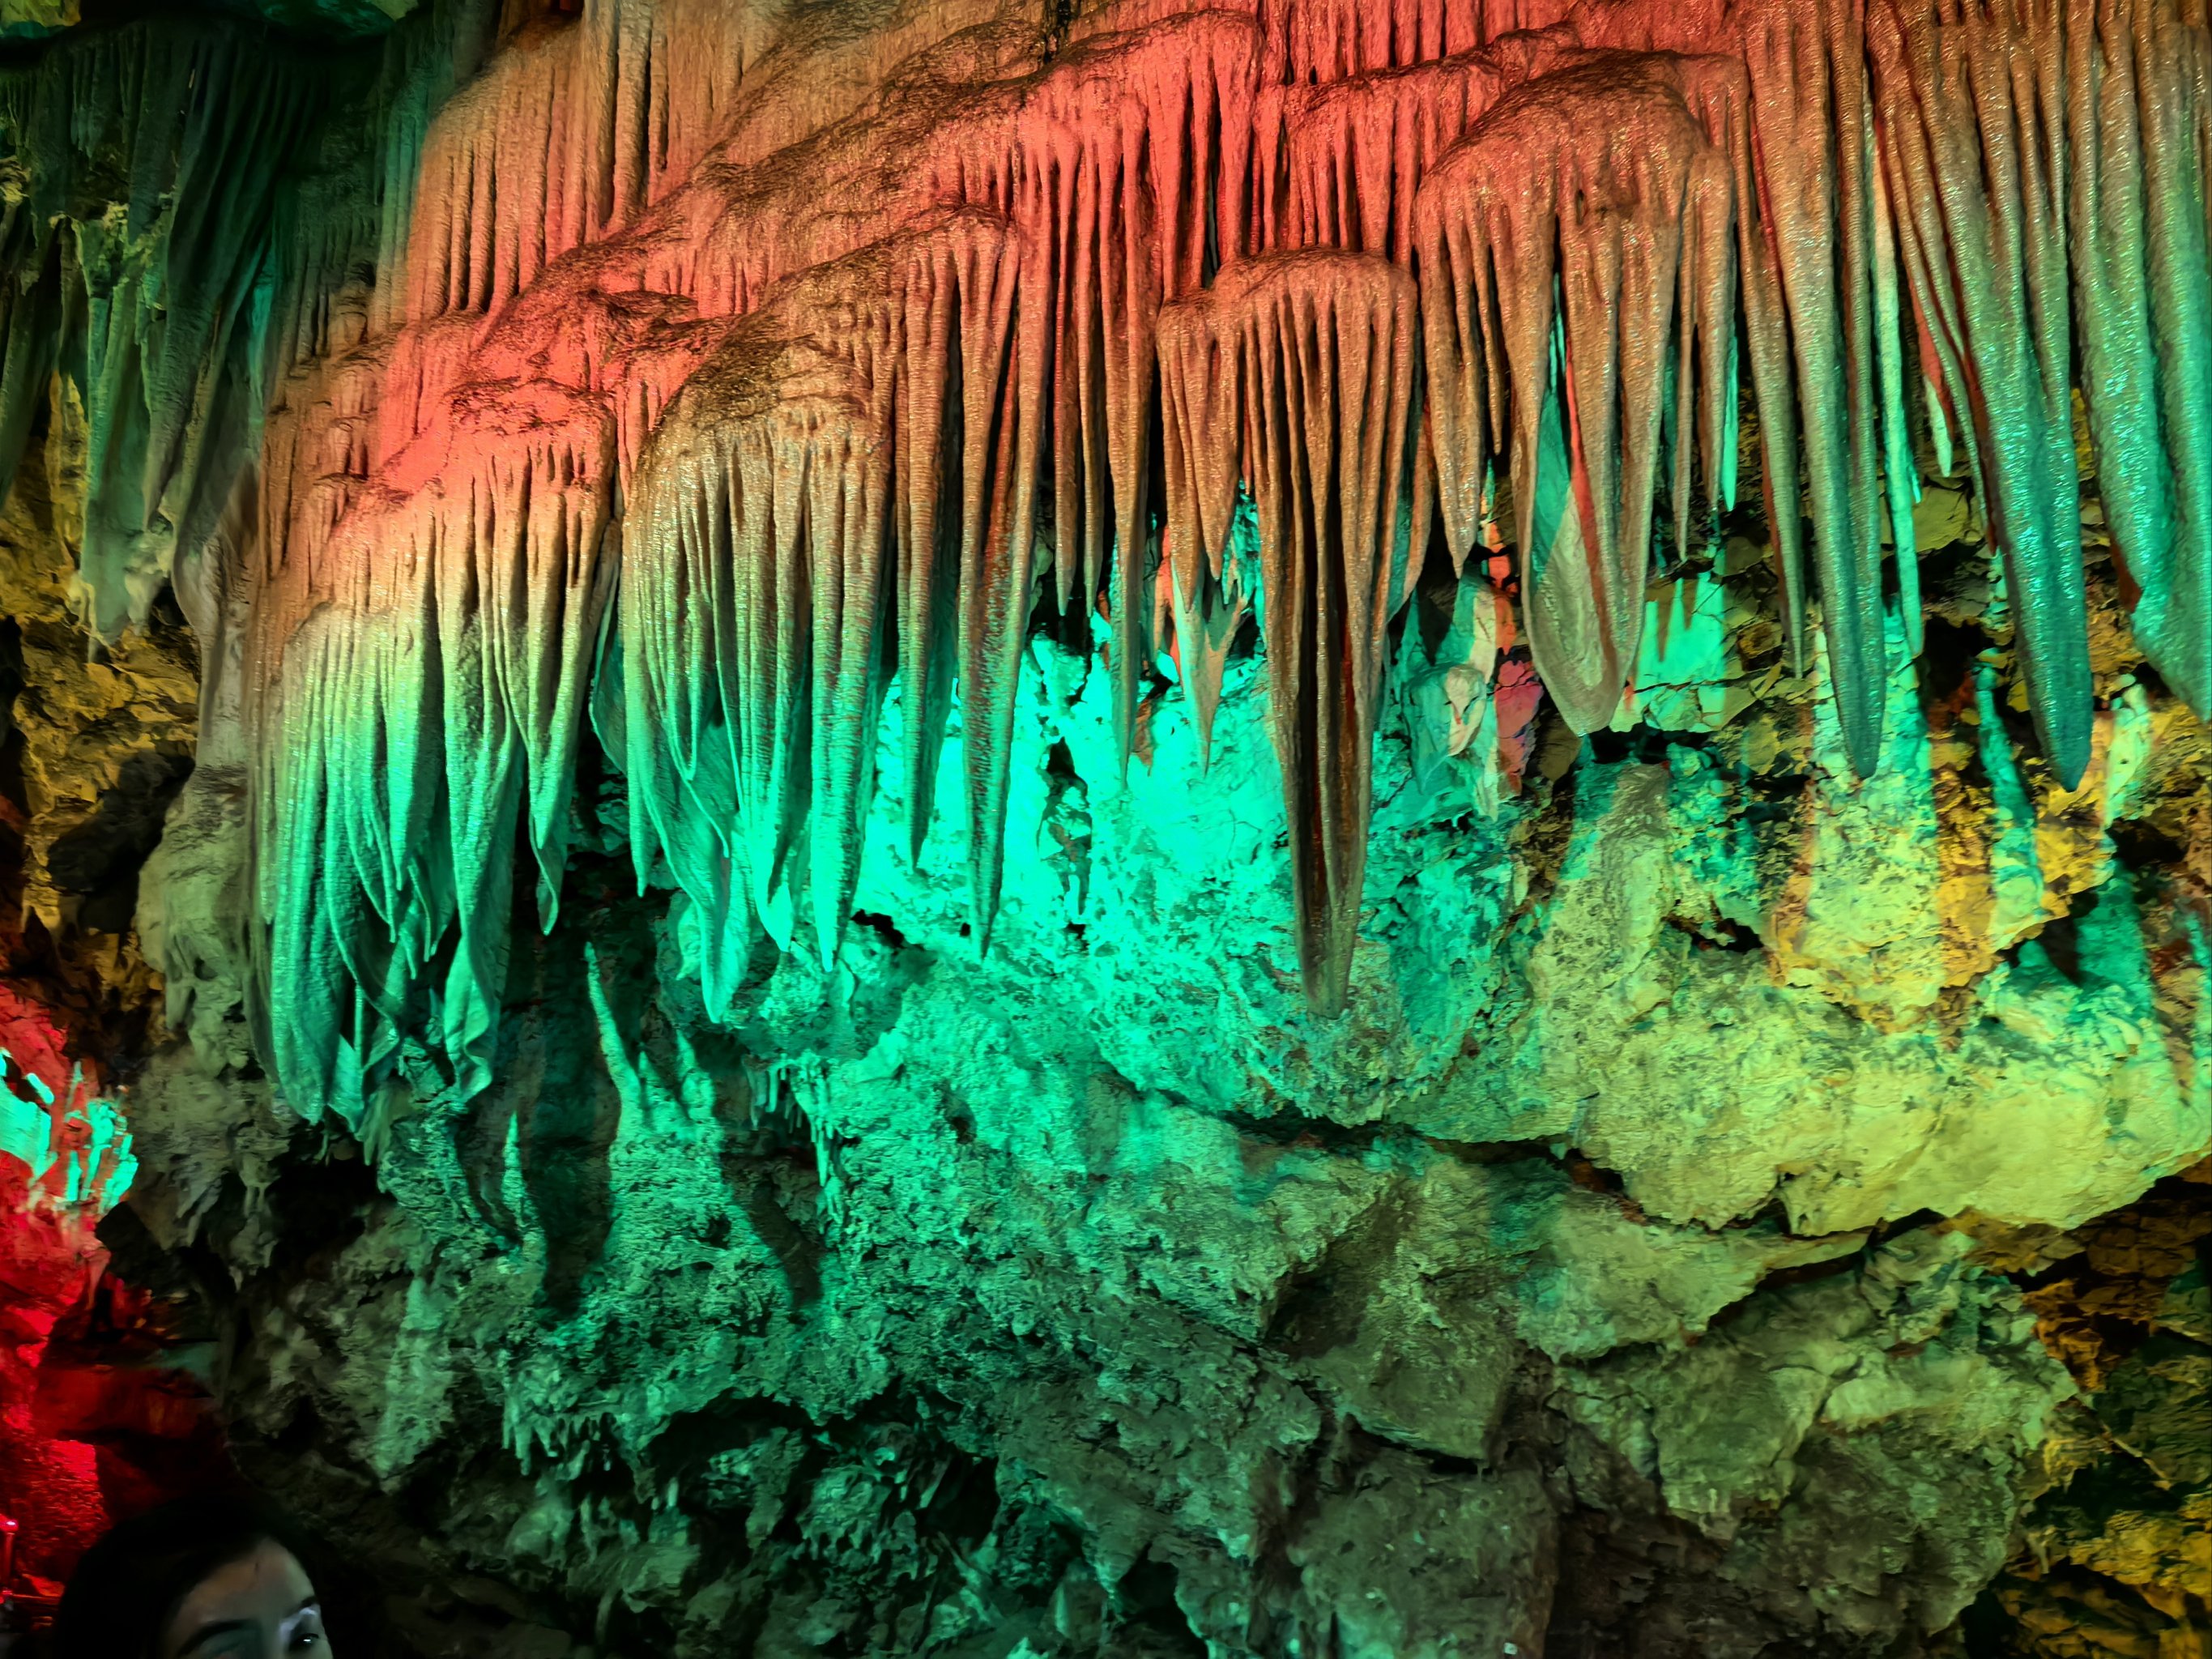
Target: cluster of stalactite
{"x": 827, "y": 347}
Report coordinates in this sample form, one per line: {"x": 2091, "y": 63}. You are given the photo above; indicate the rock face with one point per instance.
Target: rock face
{"x": 912, "y": 830}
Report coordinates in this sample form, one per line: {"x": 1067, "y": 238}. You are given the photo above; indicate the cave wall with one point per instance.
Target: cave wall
{"x": 1356, "y": 829}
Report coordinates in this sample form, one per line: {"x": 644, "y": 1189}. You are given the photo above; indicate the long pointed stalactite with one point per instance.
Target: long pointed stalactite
{"x": 1989, "y": 219}
{"x": 827, "y": 362}
{"x": 1314, "y": 355}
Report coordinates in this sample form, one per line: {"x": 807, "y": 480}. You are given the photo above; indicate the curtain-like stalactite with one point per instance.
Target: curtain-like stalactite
{"x": 847, "y": 486}
{"x": 847, "y": 354}
{"x": 1580, "y": 231}
{"x": 153, "y": 158}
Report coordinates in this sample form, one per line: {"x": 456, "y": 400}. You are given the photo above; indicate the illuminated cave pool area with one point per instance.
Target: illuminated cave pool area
{"x": 1116, "y": 829}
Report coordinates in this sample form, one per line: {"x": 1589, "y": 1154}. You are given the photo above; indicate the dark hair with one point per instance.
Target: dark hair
{"x": 130, "y": 1583}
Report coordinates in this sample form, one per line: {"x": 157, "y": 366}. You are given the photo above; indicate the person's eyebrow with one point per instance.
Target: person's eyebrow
{"x": 207, "y": 1633}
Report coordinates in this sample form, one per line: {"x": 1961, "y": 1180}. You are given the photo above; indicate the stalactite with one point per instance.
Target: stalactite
{"x": 1314, "y": 41}
{"x": 1807, "y": 64}
{"x": 1553, "y": 250}
{"x": 570, "y": 133}
{"x": 1128, "y": 173}
{"x": 430, "y": 696}
{"x": 191, "y": 133}
{"x": 2138, "y": 96}
{"x": 200, "y": 221}
{"x": 1985, "y": 169}
{"x": 1311, "y": 358}
{"x": 1716, "y": 86}
{"x": 762, "y": 503}
{"x": 479, "y": 554}
{"x": 31, "y": 310}
{"x": 1346, "y": 157}
{"x": 1717, "y": 92}
{"x": 817, "y": 509}
{"x": 1201, "y": 385}
{"x": 1095, "y": 217}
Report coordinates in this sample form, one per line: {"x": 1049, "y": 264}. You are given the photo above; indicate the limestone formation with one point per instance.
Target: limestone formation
{"x": 1374, "y": 828}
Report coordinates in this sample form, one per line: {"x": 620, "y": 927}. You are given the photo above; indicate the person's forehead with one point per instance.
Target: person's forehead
{"x": 267, "y": 1565}
{"x": 266, "y": 1584}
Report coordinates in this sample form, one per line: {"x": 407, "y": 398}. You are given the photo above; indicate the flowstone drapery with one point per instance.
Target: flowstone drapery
{"x": 1020, "y": 819}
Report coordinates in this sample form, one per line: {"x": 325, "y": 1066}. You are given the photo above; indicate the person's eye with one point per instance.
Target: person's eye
{"x": 306, "y": 1641}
